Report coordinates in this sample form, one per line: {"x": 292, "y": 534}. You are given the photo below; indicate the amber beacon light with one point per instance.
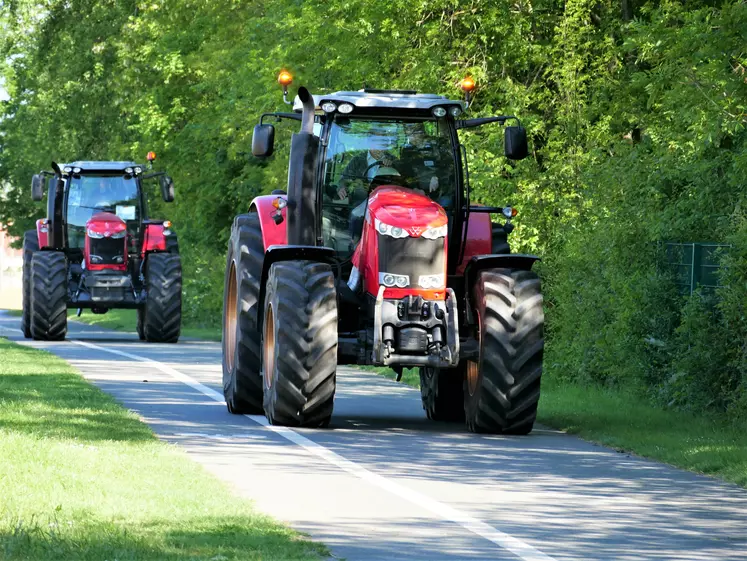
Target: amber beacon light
{"x": 467, "y": 85}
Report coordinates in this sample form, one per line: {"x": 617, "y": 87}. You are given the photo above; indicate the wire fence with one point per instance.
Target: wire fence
{"x": 695, "y": 265}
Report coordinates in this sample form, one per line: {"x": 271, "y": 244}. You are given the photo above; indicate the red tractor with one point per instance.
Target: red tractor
{"x": 96, "y": 249}
{"x": 377, "y": 256}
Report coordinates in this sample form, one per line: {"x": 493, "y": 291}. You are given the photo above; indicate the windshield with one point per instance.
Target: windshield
{"x": 90, "y": 194}
{"x": 365, "y": 153}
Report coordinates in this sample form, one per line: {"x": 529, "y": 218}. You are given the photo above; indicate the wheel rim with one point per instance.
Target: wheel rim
{"x": 230, "y": 319}
{"x": 268, "y": 346}
{"x": 473, "y": 368}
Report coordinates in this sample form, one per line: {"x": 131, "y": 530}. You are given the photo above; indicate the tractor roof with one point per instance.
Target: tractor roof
{"x": 384, "y": 99}
{"x": 94, "y": 166}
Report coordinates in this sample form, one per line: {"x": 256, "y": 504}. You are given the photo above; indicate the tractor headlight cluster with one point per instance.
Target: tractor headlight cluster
{"x": 437, "y": 232}
{"x": 99, "y": 235}
{"x": 431, "y": 281}
{"x": 391, "y": 280}
{"x": 387, "y": 230}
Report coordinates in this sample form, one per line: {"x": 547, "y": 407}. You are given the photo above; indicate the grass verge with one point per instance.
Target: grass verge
{"x": 126, "y": 320}
{"x": 82, "y": 478}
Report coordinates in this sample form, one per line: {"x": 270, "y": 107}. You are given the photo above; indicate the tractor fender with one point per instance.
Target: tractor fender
{"x": 276, "y": 253}
{"x": 273, "y": 233}
{"x": 42, "y": 231}
{"x": 153, "y": 240}
{"x": 481, "y": 262}
{"x": 479, "y": 239}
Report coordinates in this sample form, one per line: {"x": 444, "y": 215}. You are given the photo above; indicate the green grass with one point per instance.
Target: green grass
{"x": 630, "y": 424}
{"x": 126, "y": 320}
{"x": 82, "y": 478}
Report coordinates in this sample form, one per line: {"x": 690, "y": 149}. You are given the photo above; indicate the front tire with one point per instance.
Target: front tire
{"x": 242, "y": 377}
{"x": 30, "y": 246}
{"x": 442, "y": 393}
{"x": 48, "y": 311}
{"x": 163, "y": 302}
{"x": 299, "y": 344}
{"x": 503, "y": 389}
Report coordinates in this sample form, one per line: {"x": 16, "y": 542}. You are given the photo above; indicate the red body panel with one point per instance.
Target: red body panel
{"x": 42, "y": 232}
{"x": 107, "y": 224}
{"x": 405, "y": 209}
{"x": 153, "y": 239}
{"x": 479, "y": 239}
{"x": 272, "y": 233}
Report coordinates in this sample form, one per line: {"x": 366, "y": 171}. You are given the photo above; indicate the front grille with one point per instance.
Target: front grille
{"x": 411, "y": 256}
{"x": 107, "y": 251}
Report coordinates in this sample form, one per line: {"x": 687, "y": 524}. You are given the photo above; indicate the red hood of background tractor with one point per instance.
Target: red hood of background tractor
{"x": 104, "y": 222}
{"x": 406, "y": 209}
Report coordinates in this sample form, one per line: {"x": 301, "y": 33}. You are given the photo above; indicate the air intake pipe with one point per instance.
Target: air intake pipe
{"x": 302, "y": 192}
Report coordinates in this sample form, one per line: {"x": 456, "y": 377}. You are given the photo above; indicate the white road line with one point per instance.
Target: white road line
{"x": 519, "y": 548}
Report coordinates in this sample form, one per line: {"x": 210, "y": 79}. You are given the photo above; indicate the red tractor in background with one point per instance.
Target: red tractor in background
{"x": 377, "y": 256}
{"x": 97, "y": 249}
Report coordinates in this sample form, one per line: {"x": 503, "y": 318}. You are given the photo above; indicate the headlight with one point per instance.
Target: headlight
{"x": 138, "y": 170}
{"x": 431, "y": 281}
{"x": 345, "y": 108}
{"x": 455, "y": 111}
{"x": 328, "y": 107}
{"x": 67, "y": 169}
{"x": 389, "y": 280}
{"x": 387, "y": 230}
{"x": 97, "y": 235}
{"x": 437, "y": 232}
{"x": 119, "y": 235}
{"x": 438, "y": 112}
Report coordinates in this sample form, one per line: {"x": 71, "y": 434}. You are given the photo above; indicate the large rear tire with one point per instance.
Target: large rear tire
{"x": 502, "y": 390}
{"x": 299, "y": 344}
{"x": 141, "y": 323}
{"x": 442, "y": 393}
{"x": 242, "y": 376}
{"x": 163, "y": 301}
{"x": 500, "y": 240}
{"x": 30, "y": 246}
{"x": 48, "y": 296}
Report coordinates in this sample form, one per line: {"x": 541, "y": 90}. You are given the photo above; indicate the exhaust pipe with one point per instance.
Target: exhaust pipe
{"x": 302, "y": 205}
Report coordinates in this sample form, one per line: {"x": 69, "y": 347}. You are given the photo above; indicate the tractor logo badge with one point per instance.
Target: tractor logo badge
{"x": 107, "y": 234}
{"x": 416, "y": 230}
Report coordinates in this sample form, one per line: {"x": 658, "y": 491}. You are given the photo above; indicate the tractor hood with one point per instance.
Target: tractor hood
{"x": 405, "y": 208}
{"x": 106, "y": 223}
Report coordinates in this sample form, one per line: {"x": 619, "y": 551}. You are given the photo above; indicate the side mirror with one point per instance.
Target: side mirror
{"x": 37, "y": 187}
{"x": 167, "y": 188}
{"x": 515, "y": 143}
{"x": 263, "y": 141}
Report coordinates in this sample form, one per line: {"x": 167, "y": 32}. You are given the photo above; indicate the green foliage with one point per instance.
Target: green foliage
{"x": 638, "y": 133}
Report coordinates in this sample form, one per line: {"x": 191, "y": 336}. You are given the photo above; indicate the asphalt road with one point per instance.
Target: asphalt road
{"x": 384, "y": 483}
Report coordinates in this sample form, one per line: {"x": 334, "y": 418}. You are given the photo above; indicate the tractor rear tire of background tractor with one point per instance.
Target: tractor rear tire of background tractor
{"x": 500, "y": 240}
{"x": 30, "y": 246}
{"x": 141, "y": 323}
{"x": 163, "y": 302}
{"x": 299, "y": 344}
{"x": 48, "y": 311}
{"x": 242, "y": 376}
{"x": 502, "y": 390}
{"x": 442, "y": 393}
